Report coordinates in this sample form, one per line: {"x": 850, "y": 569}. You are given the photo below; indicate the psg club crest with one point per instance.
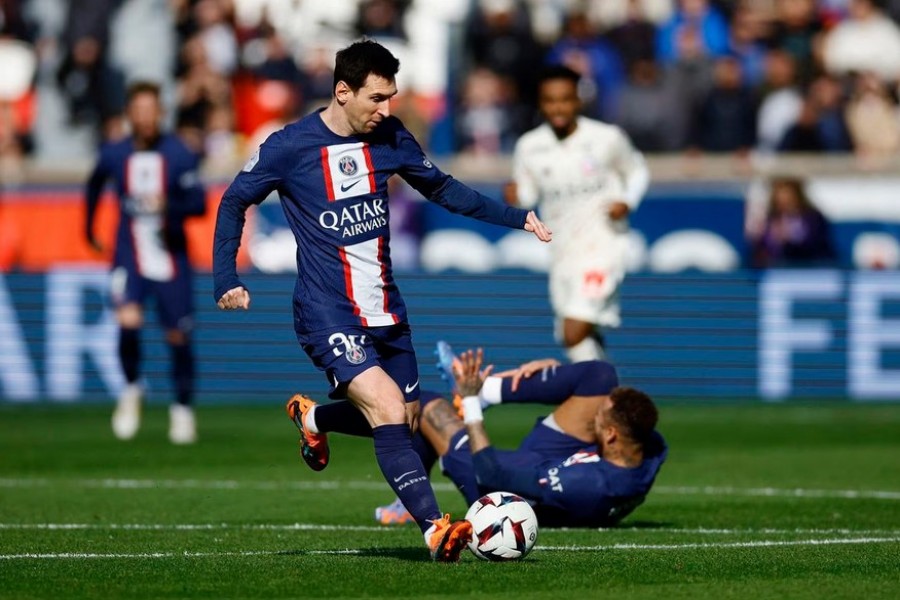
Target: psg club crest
{"x": 355, "y": 354}
{"x": 348, "y": 166}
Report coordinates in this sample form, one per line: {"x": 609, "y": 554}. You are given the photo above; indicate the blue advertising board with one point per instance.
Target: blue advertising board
{"x": 770, "y": 335}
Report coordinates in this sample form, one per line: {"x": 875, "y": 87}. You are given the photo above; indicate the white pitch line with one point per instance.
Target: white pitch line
{"x": 230, "y": 484}
{"x": 599, "y": 548}
{"x": 751, "y": 544}
{"x": 776, "y": 492}
{"x": 384, "y": 529}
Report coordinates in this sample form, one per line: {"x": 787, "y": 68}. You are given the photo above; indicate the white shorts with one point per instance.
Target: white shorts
{"x": 585, "y": 279}
{"x": 590, "y": 295}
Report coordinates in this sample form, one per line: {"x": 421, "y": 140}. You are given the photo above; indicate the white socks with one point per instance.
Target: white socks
{"x": 310, "y": 423}
{"x": 587, "y": 349}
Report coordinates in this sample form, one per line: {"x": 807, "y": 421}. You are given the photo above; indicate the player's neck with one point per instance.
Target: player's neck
{"x": 623, "y": 456}
{"x": 145, "y": 143}
{"x": 562, "y": 134}
{"x": 335, "y": 120}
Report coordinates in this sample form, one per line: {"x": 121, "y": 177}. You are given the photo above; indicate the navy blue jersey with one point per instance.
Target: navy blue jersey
{"x": 333, "y": 190}
{"x": 582, "y": 491}
{"x": 157, "y": 189}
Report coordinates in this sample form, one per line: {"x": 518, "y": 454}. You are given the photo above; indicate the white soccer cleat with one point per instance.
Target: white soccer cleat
{"x": 126, "y": 419}
{"x": 182, "y": 425}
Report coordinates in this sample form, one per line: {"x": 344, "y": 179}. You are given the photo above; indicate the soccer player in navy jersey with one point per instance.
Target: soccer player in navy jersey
{"x": 331, "y": 170}
{"x": 158, "y": 187}
{"x": 588, "y": 464}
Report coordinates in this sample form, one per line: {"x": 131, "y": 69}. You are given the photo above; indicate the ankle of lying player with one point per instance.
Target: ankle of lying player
{"x": 471, "y": 407}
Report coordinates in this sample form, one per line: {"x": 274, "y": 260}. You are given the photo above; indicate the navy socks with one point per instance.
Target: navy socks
{"x": 130, "y": 353}
{"x": 403, "y": 470}
{"x": 183, "y": 372}
{"x": 342, "y": 417}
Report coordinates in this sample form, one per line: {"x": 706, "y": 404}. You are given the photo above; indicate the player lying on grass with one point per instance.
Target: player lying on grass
{"x": 590, "y": 463}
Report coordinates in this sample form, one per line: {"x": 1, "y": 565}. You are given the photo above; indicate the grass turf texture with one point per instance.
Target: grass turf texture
{"x": 755, "y": 501}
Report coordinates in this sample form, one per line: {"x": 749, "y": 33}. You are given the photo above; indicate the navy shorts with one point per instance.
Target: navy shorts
{"x": 542, "y": 446}
{"x": 174, "y": 298}
{"x": 345, "y": 352}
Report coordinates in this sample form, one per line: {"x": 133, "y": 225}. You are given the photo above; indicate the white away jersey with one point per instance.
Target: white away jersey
{"x": 575, "y": 180}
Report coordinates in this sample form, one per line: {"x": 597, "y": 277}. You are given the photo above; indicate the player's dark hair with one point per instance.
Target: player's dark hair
{"x": 553, "y": 72}
{"x": 356, "y": 62}
{"x": 143, "y": 87}
{"x": 634, "y": 412}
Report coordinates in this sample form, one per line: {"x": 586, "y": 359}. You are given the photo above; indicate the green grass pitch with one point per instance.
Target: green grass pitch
{"x": 756, "y": 501}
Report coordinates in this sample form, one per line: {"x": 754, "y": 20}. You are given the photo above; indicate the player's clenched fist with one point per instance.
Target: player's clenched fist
{"x": 234, "y": 299}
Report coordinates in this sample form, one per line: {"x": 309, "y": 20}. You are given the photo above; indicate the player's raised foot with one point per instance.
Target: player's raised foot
{"x": 182, "y": 425}
{"x": 445, "y": 362}
{"x": 447, "y": 539}
{"x": 126, "y": 419}
{"x": 313, "y": 446}
{"x": 393, "y": 514}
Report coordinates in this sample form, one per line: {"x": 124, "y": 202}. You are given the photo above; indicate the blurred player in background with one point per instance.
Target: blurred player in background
{"x": 331, "y": 170}
{"x": 158, "y": 187}
{"x": 586, "y": 177}
{"x": 590, "y": 463}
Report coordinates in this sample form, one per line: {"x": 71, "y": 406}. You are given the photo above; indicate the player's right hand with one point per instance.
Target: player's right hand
{"x": 527, "y": 370}
{"x": 468, "y": 372}
{"x": 234, "y": 299}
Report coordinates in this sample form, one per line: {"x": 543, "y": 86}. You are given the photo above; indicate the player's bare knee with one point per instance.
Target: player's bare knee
{"x": 575, "y": 332}
{"x": 130, "y": 316}
{"x": 176, "y": 337}
{"x": 395, "y": 413}
{"x": 386, "y": 412}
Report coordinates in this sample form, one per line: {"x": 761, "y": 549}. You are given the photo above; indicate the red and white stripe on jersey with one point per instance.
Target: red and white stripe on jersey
{"x": 145, "y": 176}
{"x": 364, "y": 271}
{"x": 348, "y": 170}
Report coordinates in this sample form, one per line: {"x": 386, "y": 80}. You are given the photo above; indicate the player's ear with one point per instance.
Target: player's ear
{"x": 342, "y": 92}
{"x": 610, "y": 434}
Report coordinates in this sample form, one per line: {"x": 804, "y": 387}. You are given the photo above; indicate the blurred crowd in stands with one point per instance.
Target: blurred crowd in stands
{"x": 678, "y": 75}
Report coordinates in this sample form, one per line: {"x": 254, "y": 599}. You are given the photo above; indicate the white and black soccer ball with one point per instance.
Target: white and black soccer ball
{"x": 504, "y": 527}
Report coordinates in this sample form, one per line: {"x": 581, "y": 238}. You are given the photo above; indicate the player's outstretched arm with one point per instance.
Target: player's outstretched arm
{"x": 455, "y": 196}
{"x": 234, "y": 299}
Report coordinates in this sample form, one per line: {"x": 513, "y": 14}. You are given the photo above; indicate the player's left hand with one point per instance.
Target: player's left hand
{"x": 618, "y": 211}
{"x": 537, "y": 227}
{"x": 526, "y": 370}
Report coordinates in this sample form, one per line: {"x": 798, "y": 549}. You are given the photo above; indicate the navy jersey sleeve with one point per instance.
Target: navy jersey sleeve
{"x": 189, "y": 197}
{"x": 262, "y": 174}
{"x": 99, "y": 175}
{"x": 493, "y": 475}
{"x": 446, "y": 191}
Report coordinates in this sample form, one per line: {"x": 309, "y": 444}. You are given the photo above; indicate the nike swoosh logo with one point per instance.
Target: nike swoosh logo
{"x": 397, "y": 479}
{"x": 410, "y": 388}
{"x": 345, "y": 187}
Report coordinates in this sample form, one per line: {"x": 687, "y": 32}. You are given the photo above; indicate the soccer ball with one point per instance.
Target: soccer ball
{"x": 504, "y": 527}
